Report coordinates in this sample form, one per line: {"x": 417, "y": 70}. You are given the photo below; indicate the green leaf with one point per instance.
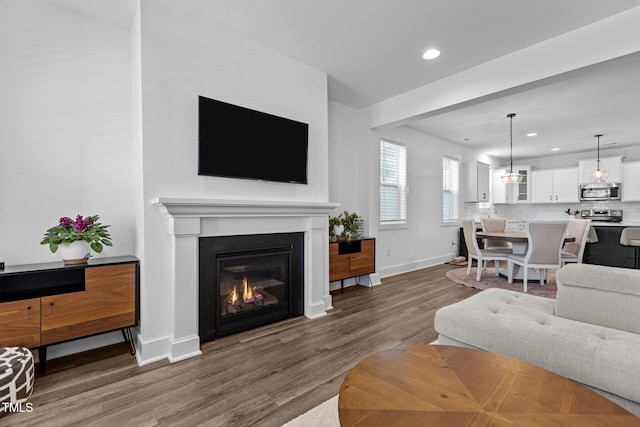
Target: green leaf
{"x": 53, "y": 247}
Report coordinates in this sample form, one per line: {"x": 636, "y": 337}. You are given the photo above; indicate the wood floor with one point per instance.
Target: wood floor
{"x": 263, "y": 377}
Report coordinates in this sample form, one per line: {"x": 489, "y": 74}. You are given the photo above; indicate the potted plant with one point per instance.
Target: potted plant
{"x": 344, "y": 226}
{"x": 335, "y": 228}
{"x": 77, "y": 237}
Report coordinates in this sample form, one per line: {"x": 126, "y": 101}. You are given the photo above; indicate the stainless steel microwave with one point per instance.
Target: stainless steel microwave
{"x": 601, "y": 191}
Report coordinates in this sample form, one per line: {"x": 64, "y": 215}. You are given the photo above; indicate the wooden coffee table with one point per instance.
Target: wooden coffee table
{"x": 433, "y": 385}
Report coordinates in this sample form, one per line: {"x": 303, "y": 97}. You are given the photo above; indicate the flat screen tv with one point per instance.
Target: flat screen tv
{"x": 238, "y": 142}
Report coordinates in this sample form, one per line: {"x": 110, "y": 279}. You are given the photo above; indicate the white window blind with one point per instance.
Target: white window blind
{"x": 393, "y": 183}
{"x": 450, "y": 189}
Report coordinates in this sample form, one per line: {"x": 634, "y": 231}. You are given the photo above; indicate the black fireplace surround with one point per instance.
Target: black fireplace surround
{"x": 248, "y": 281}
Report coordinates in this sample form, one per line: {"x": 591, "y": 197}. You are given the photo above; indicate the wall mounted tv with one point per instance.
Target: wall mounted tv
{"x": 238, "y": 142}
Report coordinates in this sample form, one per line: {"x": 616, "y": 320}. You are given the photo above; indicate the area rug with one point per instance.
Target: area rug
{"x": 323, "y": 415}
{"x": 489, "y": 280}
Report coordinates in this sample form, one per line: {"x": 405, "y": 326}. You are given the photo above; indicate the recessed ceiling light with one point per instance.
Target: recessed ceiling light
{"x": 532, "y": 134}
{"x": 555, "y": 149}
{"x": 431, "y": 54}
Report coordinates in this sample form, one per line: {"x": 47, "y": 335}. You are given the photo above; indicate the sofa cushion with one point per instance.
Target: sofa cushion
{"x": 606, "y": 296}
{"x": 524, "y": 327}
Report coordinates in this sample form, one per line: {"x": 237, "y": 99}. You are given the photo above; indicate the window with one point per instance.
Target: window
{"x": 393, "y": 183}
{"x": 450, "y": 189}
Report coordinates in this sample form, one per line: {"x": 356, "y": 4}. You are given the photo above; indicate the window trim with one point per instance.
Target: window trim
{"x": 453, "y": 221}
{"x": 397, "y": 223}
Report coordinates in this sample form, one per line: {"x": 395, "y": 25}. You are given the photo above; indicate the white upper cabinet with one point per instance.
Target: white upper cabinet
{"x": 476, "y": 182}
{"x": 511, "y": 193}
{"x": 631, "y": 182}
{"x": 555, "y": 186}
{"x": 613, "y": 165}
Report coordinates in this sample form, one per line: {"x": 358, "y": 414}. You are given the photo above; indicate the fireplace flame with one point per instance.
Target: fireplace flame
{"x": 249, "y": 294}
{"x": 233, "y": 297}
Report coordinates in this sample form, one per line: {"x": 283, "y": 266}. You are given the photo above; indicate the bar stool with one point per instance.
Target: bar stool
{"x": 631, "y": 237}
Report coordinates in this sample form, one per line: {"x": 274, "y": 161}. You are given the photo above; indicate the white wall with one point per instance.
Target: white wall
{"x": 65, "y": 139}
{"x": 354, "y": 183}
{"x": 183, "y": 57}
{"x": 426, "y": 241}
{"x": 66, "y": 129}
{"x": 347, "y": 159}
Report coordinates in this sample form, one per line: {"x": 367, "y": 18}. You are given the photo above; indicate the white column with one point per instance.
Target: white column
{"x": 184, "y": 340}
{"x": 317, "y": 296}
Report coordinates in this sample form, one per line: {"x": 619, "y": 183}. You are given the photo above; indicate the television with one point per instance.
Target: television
{"x": 238, "y": 142}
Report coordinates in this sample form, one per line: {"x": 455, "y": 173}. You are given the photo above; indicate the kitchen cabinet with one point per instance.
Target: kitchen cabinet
{"x": 516, "y": 225}
{"x": 476, "y": 182}
{"x": 630, "y": 180}
{"x": 613, "y": 165}
{"x": 555, "y": 186}
{"x": 511, "y": 193}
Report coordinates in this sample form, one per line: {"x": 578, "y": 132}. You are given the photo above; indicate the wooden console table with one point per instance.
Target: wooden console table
{"x": 434, "y": 385}
{"x": 351, "y": 259}
{"x": 50, "y": 303}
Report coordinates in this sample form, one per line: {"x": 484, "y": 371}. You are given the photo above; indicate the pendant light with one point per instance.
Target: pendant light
{"x": 511, "y": 177}
{"x": 599, "y": 175}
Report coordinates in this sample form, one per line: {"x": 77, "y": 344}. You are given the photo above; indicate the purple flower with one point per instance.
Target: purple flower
{"x": 65, "y": 221}
{"x": 78, "y": 224}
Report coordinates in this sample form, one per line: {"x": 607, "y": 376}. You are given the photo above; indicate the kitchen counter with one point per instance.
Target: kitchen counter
{"x": 614, "y": 224}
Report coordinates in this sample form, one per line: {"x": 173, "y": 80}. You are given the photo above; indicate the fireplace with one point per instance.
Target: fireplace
{"x": 247, "y": 281}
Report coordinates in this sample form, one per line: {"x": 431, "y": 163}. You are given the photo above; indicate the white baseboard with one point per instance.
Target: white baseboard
{"x": 417, "y": 265}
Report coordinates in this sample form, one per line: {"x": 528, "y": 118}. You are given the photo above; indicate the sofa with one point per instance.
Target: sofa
{"x": 590, "y": 333}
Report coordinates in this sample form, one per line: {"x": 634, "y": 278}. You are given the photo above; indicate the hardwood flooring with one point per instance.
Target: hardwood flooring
{"x": 263, "y": 377}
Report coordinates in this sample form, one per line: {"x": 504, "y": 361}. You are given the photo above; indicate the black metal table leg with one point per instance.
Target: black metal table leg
{"x": 128, "y": 337}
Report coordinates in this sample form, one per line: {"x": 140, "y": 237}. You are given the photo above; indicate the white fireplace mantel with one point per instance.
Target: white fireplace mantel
{"x": 177, "y": 206}
{"x": 192, "y": 218}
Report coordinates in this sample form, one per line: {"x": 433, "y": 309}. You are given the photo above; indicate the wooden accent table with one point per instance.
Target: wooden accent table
{"x": 351, "y": 259}
{"x": 49, "y": 303}
{"x": 434, "y": 385}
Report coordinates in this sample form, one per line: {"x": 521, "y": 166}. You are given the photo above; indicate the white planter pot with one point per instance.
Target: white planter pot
{"x": 77, "y": 252}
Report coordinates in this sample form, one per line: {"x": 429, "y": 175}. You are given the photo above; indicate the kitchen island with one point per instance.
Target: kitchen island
{"x": 608, "y": 250}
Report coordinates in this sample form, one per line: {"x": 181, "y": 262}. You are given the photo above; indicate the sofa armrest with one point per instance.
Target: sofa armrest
{"x": 601, "y": 295}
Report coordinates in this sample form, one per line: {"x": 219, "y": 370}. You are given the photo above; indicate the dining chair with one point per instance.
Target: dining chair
{"x": 545, "y": 239}
{"x": 474, "y": 251}
{"x": 495, "y": 224}
{"x": 630, "y": 236}
{"x": 573, "y": 251}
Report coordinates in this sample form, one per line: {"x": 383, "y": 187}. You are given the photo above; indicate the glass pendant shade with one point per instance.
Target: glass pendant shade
{"x": 599, "y": 174}
{"x": 511, "y": 177}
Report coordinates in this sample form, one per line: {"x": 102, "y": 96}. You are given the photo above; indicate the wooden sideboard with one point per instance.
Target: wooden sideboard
{"x": 351, "y": 259}
{"x": 44, "y": 304}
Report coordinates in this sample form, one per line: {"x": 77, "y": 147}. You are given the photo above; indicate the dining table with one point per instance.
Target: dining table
{"x": 519, "y": 243}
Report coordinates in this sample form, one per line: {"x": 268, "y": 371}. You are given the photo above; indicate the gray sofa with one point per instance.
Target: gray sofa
{"x": 590, "y": 333}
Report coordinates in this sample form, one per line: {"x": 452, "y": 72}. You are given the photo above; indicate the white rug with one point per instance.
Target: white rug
{"x": 323, "y": 415}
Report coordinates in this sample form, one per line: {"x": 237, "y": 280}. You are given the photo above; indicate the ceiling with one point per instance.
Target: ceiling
{"x": 371, "y": 51}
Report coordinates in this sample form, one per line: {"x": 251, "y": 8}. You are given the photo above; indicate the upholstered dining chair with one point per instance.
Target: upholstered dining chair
{"x": 495, "y": 224}
{"x": 573, "y": 251}
{"x": 545, "y": 239}
{"x": 480, "y": 255}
